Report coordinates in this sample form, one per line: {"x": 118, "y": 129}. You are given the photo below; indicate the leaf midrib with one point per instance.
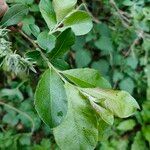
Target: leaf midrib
{"x": 50, "y": 98}
{"x": 84, "y": 82}
{"x": 78, "y": 129}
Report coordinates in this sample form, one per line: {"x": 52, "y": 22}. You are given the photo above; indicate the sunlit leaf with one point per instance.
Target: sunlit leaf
{"x": 48, "y": 13}
{"x": 50, "y": 99}
{"x": 120, "y": 103}
{"x": 80, "y": 22}
{"x": 63, "y": 43}
{"x": 79, "y": 129}
{"x": 63, "y": 7}
{"x": 86, "y": 78}
{"x": 46, "y": 41}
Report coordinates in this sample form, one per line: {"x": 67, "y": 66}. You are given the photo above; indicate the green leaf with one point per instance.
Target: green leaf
{"x": 147, "y": 71}
{"x": 34, "y": 8}
{"x": 82, "y": 58}
{"x": 139, "y": 143}
{"x": 63, "y": 7}
{"x": 35, "y": 56}
{"x": 146, "y": 132}
{"x": 27, "y": 2}
{"x": 35, "y": 30}
{"x": 126, "y": 125}
{"x": 48, "y": 13}
{"x": 120, "y": 103}
{"x": 25, "y": 140}
{"x": 127, "y": 84}
{"x": 46, "y": 41}
{"x": 10, "y": 118}
{"x": 103, "y": 29}
{"x": 132, "y": 61}
{"x": 12, "y": 94}
{"x": 104, "y": 44}
{"x": 79, "y": 43}
{"x": 44, "y": 145}
{"x": 79, "y": 21}
{"x": 14, "y": 15}
{"x": 27, "y": 21}
{"x": 119, "y": 144}
{"x": 50, "y": 99}
{"x": 105, "y": 114}
{"x": 146, "y": 111}
{"x": 146, "y": 44}
{"x": 60, "y": 64}
{"x": 117, "y": 76}
{"x": 79, "y": 129}
{"x": 101, "y": 65}
{"x": 104, "y": 130}
{"x": 86, "y": 78}
{"x": 63, "y": 43}
{"x": 128, "y": 3}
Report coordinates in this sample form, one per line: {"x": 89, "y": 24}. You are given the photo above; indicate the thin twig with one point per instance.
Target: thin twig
{"x": 43, "y": 55}
{"x": 125, "y": 21}
{"x": 36, "y": 46}
{"x": 86, "y": 8}
{"x": 28, "y": 38}
{"x": 135, "y": 42}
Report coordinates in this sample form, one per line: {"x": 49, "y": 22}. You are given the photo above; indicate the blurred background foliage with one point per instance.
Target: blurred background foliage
{"x": 118, "y": 46}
